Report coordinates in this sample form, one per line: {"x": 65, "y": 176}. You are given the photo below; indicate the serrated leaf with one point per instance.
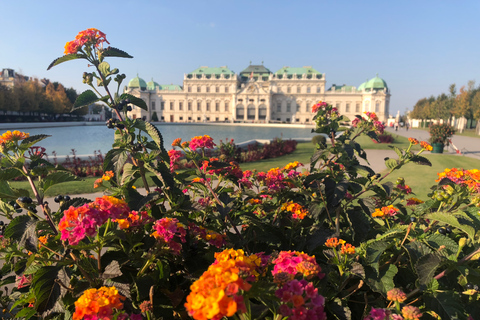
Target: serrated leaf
{"x": 151, "y": 130}
{"x": 114, "y": 161}
{"x": 374, "y": 253}
{"x": 65, "y": 58}
{"x": 22, "y": 229}
{"x": 397, "y": 150}
{"x": 45, "y": 288}
{"x": 367, "y": 204}
{"x": 85, "y": 98}
{"x": 439, "y": 240}
{"x": 383, "y": 281}
{"x": 26, "y": 313}
{"x": 30, "y": 141}
{"x": 56, "y": 178}
{"x": 112, "y": 270}
{"x": 452, "y": 220}
{"x": 363, "y": 171}
{"x": 135, "y": 100}
{"x": 6, "y": 207}
{"x": 114, "y": 52}
{"x": 426, "y": 267}
{"x": 359, "y": 222}
{"x": 10, "y": 174}
{"x": 421, "y": 160}
{"x": 391, "y": 163}
{"x": 357, "y": 269}
{"x": 129, "y": 172}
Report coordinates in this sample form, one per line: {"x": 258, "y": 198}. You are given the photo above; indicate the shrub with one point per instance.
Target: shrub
{"x": 384, "y": 138}
{"x": 215, "y": 241}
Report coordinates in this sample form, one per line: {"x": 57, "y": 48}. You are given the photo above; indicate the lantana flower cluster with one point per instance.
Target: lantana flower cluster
{"x": 388, "y": 211}
{"x": 289, "y": 264}
{"x": 469, "y": 178}
{"x": 171, "y": 232}
{"x": 201, "y": 142}
{"x": 90, "y": 36}
{"x": 77, "y": 223}
{"x": 218, "y": 292}
{"x": 372, "y": 120}
{"x": 100, "y": 303}
{"x": 300, "y": 300}
{"x": 212, "y": 237}
{"x": 297, "y": 210}
{"x": 105, "y": 177}
{"x": 345, "y": 248}
{"x": 134, "y": 220}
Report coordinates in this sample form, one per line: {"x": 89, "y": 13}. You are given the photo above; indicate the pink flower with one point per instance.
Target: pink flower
{"x": 201, "y": 142}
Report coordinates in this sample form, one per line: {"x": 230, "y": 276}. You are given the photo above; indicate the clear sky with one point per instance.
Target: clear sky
{"x": 418, "y": 47}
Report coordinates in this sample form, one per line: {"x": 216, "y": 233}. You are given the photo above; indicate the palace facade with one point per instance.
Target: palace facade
{"x": 255, "y": 95}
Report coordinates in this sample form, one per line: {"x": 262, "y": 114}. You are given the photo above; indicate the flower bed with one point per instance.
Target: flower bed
{"x": 333, "y": 242}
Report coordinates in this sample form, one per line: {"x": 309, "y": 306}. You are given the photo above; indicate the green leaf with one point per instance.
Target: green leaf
{"x": 426, "y": 267}
{"x": 129, "y": 173}
{"x": 391, "y": 163}
{"x": 65, "y": 58}
{"x": 363, "y": 171}
{"x": 151, "y": 130}
{"x": 382, "y": 282}
{"x": 45, "y": 288}
{"x": 10, "y": 174}
{"x": 359, "y": 222}
{"x": 398, "y": 151}
{"x": 453, "y": 220}
{"x": 56, "y": 178}
{"x": 114, "y": 52}
{"x": 338, "y": 311}
{"x": 104, "y": 68}
{"x": 85, "y": 98}
{"x": 114, "y": 161}
{"x": 135, "y": 100}
{"x": 446, "y": 304}
{"x": 32, "y": 140}
{"x": 421, "y": 160}
{"x": 22, "y": 229}
{"x": 439, "y": 240}
{"x": 26, "y": 313}
{"x": 5, "y": 207}
{"x": 374, "y": 253}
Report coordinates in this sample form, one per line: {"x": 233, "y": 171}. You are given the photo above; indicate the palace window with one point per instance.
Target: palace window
{"x": 208, "y": 89}
{"x": 171, "y": 105}
{"x": 162, "y": 105}
{"x": 208, "y": 106}
{"x": 198, "y": 89}
{"x": 180, "y": 106}
{"x": 308, "y": 89}
{"x": 189, "y": 89}
{"x": 153, "y": 105}
{"x": 198, "y": 118}
{"x": 377, "y": 106}
{"x": 279, "y": 107}
{"x": 217, "y": 89}
{"x": 289, "y": 90}
{"x": 181, "y": 118}
{"x": 226, "y": 88}
{"x": 347, "y": 107}
{"x": 189, "y": 106}
{"x": 319, "y": 90}
{"x": 217, "y": 106}
{"x": 289, "y": 107}
{"x": 298, "y": 108}
{"x": 299, "y": 90}
{"x": 357, "y": 107}
{"x": 199, "y": 106}
{"x": 226, "y": 106}
{"x": 337, "y": 105}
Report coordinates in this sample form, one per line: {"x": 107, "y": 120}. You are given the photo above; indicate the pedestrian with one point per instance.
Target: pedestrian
{"x": 408, "y": 125}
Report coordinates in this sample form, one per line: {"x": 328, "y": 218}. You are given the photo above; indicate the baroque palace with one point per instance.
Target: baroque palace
{"x": 255, "y": 95}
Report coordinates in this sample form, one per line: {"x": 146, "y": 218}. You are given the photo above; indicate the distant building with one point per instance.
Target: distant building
{"x": 255, "y": 95}
{"x": 8, "y": 77}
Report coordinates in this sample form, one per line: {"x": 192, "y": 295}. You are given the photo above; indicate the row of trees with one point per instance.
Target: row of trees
{"x": 465, "y": 103}
{"x": 38, "y": 96}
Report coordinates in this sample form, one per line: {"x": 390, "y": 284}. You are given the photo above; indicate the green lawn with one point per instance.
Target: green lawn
{"x": 420, "y": 178}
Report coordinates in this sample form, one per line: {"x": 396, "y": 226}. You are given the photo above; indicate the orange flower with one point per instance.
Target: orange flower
{"x": 332, "y": 243}
{"x": 16, "y": 135}
{"x": 90, "y": 36}
{"x": 411, "y": 313}
{"x": 98, "y": 303}
{"x": 177, "y": 142}
{"x": 348, "y": 249}
{"x": 425, "y": 145}
{"x": 396, "y": 295}
{"x": 413, "y": 141}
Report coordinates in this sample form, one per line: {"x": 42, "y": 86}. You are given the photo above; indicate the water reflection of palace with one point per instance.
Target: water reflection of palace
{"x": 254, "y": 95}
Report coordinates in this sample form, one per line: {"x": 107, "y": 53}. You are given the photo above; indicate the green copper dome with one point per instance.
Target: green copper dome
{"x": 376, "y": 84}
{"x": 362, "y": 86}
{"x": 137, "y": 83}
{"x": 152, "y": 85}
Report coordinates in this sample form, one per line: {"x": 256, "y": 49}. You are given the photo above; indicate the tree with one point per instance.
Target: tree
{"x": 154, "y": 116}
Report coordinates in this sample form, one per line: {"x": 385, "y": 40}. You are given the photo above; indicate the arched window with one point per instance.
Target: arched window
{"x": 262, "y": 112}
{"x": 240, "y": 112}
{"x": 251, "y": 112}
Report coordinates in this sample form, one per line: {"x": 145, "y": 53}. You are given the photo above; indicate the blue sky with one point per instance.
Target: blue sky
{"x": 418, "y": 47}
